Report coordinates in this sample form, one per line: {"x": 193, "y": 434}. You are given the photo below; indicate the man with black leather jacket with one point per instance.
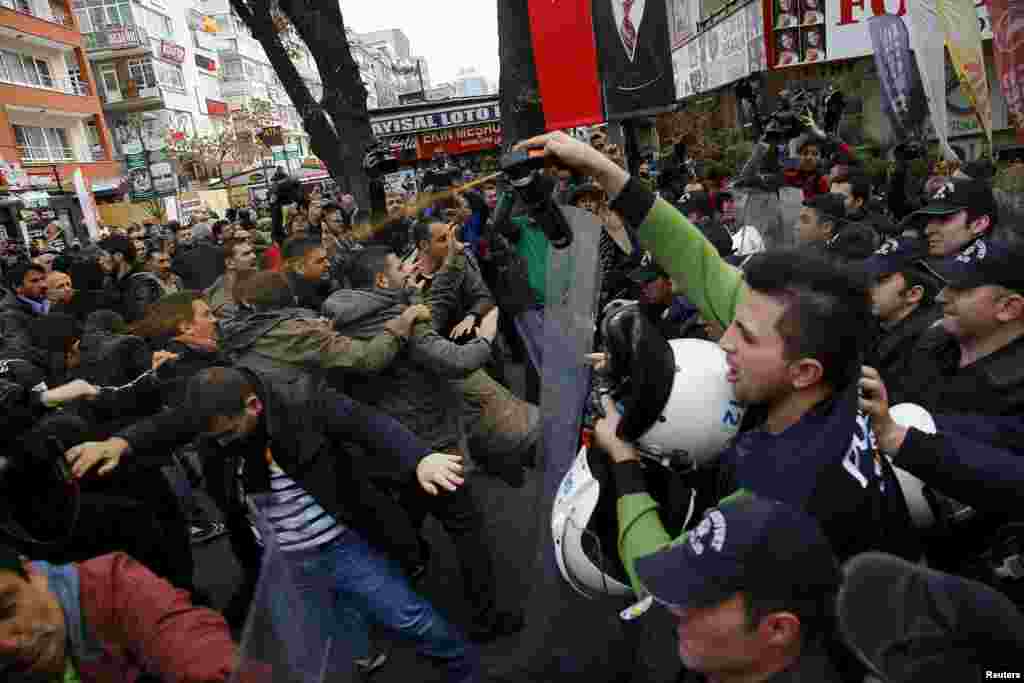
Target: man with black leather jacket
{"x": 260, "y": 419}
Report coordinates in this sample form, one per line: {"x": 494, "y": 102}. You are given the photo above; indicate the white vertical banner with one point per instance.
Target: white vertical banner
{"x": 927, "y": 40}
{"x": 85, "y": 201}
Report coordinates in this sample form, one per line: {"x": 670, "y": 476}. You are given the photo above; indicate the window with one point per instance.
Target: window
{"x": 149, "y": 73}
{"x": 43, "y": 144}
{"x": 233, "y": 71}
{"x": 25, "y": 70}
{"x": 170, "y": 75}
{"x": 141, "y": 71}
{"x": 95, "y": 15}
{"x": 156, "y": 24}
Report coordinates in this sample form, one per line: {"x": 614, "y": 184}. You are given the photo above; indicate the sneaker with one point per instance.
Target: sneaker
{"x": 504, "y": 624}
{"x": 203, "y": 532}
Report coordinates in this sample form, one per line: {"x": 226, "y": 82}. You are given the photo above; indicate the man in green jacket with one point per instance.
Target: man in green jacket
{"x": 795, "y": 335}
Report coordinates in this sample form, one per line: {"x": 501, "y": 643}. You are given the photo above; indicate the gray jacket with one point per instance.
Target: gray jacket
{"x": 414, "y": 389}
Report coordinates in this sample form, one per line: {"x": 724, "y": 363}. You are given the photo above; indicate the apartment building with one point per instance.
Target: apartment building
{"x": 157, "y": 68}
{"x": 51, "y": 120}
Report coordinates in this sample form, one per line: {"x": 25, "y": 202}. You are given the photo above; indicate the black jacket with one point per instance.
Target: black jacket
{"x": 310, "y": 295}
{"x": 199, "y": 266}
{"x": 894, "y": 351}
{"x": 993, "y": 385}
{"x": 15, "y": 324}
{"x": 308, "y": 427}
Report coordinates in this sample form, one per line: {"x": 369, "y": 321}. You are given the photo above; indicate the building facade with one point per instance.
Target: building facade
{"x": 156, "y": 67}
{"x": 51, "y": 119}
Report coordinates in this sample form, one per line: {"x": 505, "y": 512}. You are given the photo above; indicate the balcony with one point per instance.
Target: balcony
{"x": 132, "y": 99}
{"x": 68, "y": 86}
{"x": 48, "y": 155}
{"x": 52, "y": 27}
{"x": 117, "y": 41}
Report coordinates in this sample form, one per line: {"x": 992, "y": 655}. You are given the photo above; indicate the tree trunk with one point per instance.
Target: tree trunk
{"x": 522, "y": 115}
{"x": 343, "y": 106}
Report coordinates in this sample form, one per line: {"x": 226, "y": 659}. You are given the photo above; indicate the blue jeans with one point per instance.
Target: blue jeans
{"x": 347, "y": 581}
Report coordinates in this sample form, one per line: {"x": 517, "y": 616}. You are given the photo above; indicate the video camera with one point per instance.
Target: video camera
{"x": 785, "y": 123}
{"x": 523, "y": 169}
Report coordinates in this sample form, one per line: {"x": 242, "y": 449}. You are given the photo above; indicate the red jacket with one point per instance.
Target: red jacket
{"x": 145, "y": 623}
{"x": 272, "y": 259}
{"x": 811, "y": 182}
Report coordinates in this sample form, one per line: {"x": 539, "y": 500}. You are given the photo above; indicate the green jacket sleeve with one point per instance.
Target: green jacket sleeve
{"x": 710, "y": 284}
{"x": 315, "y": 344}
{"x": 642, "y": 533}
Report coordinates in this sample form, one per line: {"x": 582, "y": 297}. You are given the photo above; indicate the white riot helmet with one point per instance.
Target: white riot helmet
{"x": 677, "y": 405}
{"x": 680, "y": 413}
{"x": 586, "y": 564}
{"x": 921, "y": 512}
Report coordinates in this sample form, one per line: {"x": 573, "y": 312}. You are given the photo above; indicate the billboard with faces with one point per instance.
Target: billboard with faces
{"x": 809, "y": 31}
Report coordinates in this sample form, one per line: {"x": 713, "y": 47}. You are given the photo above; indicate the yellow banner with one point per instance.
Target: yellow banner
{"x": 959, "y": 19}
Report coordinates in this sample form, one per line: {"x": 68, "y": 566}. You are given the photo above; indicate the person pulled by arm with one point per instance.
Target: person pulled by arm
{"x": 314, "y": 342}
{"x": 961, "y": 464}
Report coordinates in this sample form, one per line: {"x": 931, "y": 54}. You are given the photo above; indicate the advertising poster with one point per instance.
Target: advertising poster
{"x": 837, "y": 29}
{"x": 139, "y": 180}
{"x": 634, "y": 57}
{"x": 963, "y": 40}
{"x": 902, "y": 97}
{"x": 1008, "y": 50}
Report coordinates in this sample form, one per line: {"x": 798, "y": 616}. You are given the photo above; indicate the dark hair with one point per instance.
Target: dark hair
{"x": 154, "y": 251}
{"x": 55, "y": 332}
{"x": 827, "y": 314}
{"x": 362, "y": 272}
{"x": 327, "y": 207}
{"x": 119, "y": 244}
{"x": 217, "y": 392}
{"x": 265, "y": 291}
{"x": 298, "y": 247}
{"x": 421, "y": 231}
{"x": 860, "y": 186}
{"x": 218, "y": 228}
{"x": 852, "y": 242}
{"x": 10, "y": 561}
{"x": 175, "y": 226}
{"x": 16, "y": 275}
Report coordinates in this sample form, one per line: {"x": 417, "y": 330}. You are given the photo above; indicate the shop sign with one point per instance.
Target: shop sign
{"x": 436, "y": 119}
{"x": 216, "y": 108}
{"x": 808, "y": 31}
{"x": 459, "y": 140}
{"x": 730, "y": 50}
{"x": 172, "y": 52}
{"x": 206, "y": 64}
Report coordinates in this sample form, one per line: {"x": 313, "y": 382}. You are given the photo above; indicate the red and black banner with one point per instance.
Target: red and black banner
{"x": 566, "y": 59}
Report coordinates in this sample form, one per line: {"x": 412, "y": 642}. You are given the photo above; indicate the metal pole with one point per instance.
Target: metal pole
{"x": 419, "y": 72}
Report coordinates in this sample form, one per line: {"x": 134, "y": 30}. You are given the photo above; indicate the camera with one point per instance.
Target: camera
{"x": 784, "y": 123}
{"x": 523, "y": 169}
{"x": 380, "y": 160}
{"x": 909, "y": 150}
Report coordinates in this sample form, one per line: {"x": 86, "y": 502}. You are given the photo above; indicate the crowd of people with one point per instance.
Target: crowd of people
{"x": 337, "y": 381}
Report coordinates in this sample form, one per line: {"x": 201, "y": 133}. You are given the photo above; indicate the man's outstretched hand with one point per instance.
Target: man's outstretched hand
{"x": 107, "y": 454}
{"x": 440, "y": 470}
{"x": 581, "y": 157}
